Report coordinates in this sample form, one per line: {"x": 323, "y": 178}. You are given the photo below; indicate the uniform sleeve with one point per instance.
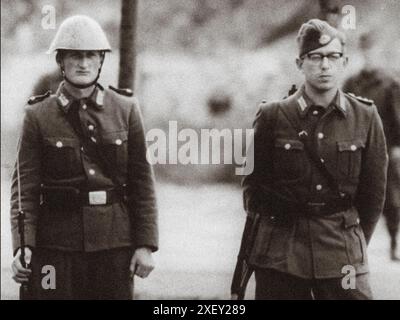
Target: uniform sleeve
{"x": 141, "y": 189}
{"x": 256, "y": 185}
{"x": 372, "y": 186}
{"x": 29, "y": 155}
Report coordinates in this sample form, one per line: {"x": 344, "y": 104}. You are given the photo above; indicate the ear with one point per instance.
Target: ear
{"x": 299, "y": 64}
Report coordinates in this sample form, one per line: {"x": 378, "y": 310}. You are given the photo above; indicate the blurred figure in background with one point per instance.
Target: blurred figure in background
{"x": 83, "y": 180}
{"x": 374, "y": 83}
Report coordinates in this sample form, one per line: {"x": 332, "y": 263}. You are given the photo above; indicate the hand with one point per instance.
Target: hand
{"x": 142, "y": 262}
{"x": 21, "y": 274}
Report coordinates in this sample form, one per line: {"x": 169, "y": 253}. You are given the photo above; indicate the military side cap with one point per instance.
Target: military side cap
{"x": 35, "y": 99}
{"x": 315, "y": 34}
{"x": 362, "y": 99}
{"x": 125, "y": 92}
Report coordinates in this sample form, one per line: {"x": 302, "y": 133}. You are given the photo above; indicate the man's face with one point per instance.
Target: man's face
{"x": 81, "y": 67}
{"x": 323, "y": 67}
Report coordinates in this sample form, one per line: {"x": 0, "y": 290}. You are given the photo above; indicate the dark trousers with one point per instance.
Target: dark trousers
{"x": 102, "y": 275}
{"x": 274, "y": 285}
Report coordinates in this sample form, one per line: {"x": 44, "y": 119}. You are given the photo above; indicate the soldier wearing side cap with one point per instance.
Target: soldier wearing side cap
{"x": 376, "y": 84}
{"x": 82, "y": 180}
{"x": 319, "y": 178}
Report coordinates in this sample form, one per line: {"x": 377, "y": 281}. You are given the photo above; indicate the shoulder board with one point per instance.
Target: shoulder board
{"x": 125, "y": 92}
{"x": 362, "y": 99}
{"x": 35, "y": 99}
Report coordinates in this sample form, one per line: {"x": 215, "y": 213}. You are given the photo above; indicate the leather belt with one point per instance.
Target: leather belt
{"x": 70, "y": 197}
{"x": 324, "y": 209}
{"x": 287, "y": 208}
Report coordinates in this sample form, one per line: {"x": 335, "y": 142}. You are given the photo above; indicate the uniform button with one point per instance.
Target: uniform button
{"x": 118, "y": 142}
{"x": 287, "y": 146}
{"x": 59, "y": 144}
{"x": 82, "y": 149}
{"x": 353, "y": 147}
{"x": 358, "y": 220}
{"x": 320, "y": 135}
{"x": 322, "y": 160}
{"x": 91, "y": 127}
{"x": 342, "y": 194}
{"x": 318, "y": 187}
{"x": 92, "y": 172}
{"x": 84, "y": 107}
{"x": 93, "y": 139}
{"x": 272, "y": 218}
{"x": 315, "y": 113}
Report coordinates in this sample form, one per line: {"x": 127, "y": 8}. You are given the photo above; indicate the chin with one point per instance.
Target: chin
{"x": 82, "y": 80}
{"x": 324, "y": 86}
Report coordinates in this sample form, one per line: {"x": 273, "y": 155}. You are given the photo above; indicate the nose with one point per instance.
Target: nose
{"x": 325, "y": 63}
{"x": 83, "y": 62}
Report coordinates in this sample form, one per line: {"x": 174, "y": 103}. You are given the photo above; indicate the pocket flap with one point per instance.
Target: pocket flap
{"x": 289, "y": 144}
{"x": 350, "y": 145}
{"x": 60, "y": 142}
{"x": 116, "y": 138}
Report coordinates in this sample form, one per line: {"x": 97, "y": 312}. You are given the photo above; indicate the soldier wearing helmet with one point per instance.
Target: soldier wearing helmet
{"x": 83, "y": 181}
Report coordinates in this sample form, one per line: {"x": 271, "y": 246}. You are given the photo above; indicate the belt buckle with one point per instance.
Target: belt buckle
{"x": 97, "y": 198}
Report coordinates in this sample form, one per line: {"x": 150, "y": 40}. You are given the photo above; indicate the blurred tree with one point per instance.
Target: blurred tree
{"x": 330, "y": 12}
{"x": 127, "y": 62}
{"x": 307, "y": 10}
{"x": 203, "y": 12}
{"x": 236, "y": 3}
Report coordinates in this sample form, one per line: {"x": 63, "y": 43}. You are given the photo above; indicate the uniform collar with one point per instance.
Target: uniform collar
{"x": 304, "y": 102}
{"x": 65, "y": 99}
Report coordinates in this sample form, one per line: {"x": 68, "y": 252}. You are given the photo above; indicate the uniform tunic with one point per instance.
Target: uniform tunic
{"x": 348, "y": 137}
{"x": 53, "y": 154}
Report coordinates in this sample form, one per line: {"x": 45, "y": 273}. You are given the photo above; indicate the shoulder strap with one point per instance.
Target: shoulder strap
{"x": 304, "y": 137}
{"x": 124, "y": 91}
{"x": 35, "y": 99}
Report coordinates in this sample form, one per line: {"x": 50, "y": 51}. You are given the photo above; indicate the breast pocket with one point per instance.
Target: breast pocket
{"x": 289, "y": 162}
{"x": 349, "y": 158}
{"x": 115, "y": 149}
{"x": 61, "y": 158}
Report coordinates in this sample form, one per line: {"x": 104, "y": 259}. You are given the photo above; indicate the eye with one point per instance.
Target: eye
{"x": 315, "y": 56}
{"x": 335, "y": 56}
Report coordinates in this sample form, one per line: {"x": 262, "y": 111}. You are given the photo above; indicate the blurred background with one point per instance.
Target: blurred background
{"x": 204, "y": 64}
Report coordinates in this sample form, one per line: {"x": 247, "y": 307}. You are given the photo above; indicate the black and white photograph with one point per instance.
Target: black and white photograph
{"x": 219, "y": 150}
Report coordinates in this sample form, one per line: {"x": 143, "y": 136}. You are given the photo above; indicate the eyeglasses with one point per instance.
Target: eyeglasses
{"x": 317, "y": 58}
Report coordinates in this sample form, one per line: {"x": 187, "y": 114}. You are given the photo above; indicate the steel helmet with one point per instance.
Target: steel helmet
{"x": 80, "y": 33}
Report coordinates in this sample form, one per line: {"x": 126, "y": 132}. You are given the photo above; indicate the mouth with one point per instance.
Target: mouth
{"x": 82, "y": 73}
{"x": 325, "y": 76}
